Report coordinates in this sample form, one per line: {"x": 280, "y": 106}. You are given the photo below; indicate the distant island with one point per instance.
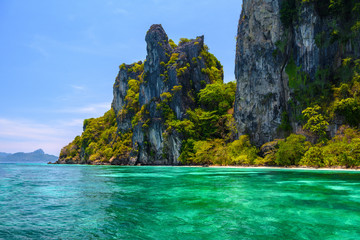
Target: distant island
{"x": 38, "y": 156}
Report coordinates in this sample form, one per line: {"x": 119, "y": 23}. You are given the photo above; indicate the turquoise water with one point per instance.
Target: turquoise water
{"x": 109, "y": 202}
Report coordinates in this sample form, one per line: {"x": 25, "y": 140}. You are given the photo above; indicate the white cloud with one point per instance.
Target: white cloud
{"x": 27, "y": 136}
{"x": 99, "y": 109}
{"x": 78, "y": 87}
{"x": 26, "y": 130}
{"x": 23, "y": 135}
{"x": 73, "y": 123}
{"x": 121, "y": 11}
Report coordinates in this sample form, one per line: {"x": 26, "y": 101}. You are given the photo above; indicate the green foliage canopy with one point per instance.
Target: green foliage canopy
{"x": 316, "y": 122}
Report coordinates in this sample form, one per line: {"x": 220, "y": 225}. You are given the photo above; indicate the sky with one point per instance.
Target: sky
{"x": 59, "y": 58}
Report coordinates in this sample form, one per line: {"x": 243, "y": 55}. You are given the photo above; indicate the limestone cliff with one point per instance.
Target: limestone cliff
{"x": 261, "y": 91}
{"x": 170, "y": 74}
{"x": 148, "y": 96}
{"x": 174, "y": 106}
{"x": 283, "y": 47}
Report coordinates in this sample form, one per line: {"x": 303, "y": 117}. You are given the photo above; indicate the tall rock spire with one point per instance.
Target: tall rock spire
{"x": 260, "y": 98}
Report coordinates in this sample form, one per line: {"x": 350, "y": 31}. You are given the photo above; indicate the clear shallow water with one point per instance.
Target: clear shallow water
{"x": 108, "y": 202}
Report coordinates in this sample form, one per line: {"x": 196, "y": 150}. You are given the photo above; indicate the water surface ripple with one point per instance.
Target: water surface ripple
{"x": 40, "y": 201}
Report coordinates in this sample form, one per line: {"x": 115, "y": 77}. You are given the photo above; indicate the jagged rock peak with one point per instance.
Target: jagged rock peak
{"x": 158, "y": 47}
{"x": 148, "y": 97}
{"x": 190, "y": 48}
{"x": 156, "y": 33}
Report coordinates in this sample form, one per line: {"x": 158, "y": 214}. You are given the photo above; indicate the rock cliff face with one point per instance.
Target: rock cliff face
{"x": 289, "y": 56}
{"x": 261, "y": 91}
{"x": 266, "y": 47}
{"x": 168, "y": 83}
{"x": 150, "y": 98}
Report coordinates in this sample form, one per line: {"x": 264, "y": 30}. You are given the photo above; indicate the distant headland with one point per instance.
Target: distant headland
{"x": 38, "y": 156}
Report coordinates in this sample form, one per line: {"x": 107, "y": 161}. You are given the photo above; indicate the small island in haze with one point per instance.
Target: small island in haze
{"x": 38, "y": 156}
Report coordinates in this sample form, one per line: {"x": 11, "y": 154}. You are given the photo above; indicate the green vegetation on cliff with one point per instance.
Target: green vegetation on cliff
{"x": 327, "y": 99}
{"x": 344, "y": 13}
{"x": 99, "y": 142}
{"x": 209, "y": 130}
{"x": 206, "y": 130}
{"x": 335, "y": 81}
{"x": 104, "y": 141}
{"x": 343, "y": 150}
{"x": 209, "y": 127}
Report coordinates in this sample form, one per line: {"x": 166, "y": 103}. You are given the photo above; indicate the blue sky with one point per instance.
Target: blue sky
{"x": 59, "y": 59}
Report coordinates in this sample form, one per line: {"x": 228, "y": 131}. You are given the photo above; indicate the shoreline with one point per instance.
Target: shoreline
{"x": 290, "y": 168}
{"x": 262, "y": 167}
{"x": 229, "y": 166}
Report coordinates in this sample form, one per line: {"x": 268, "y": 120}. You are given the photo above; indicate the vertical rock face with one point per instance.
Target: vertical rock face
{"x": 120, "y": 91}
{"x": 169, "y": 81}
{"x": 149, "y": 141}
{"x": 261, "y": 91}
{"x": 158, "y": 50}
{"x": 306, "y": 53}
{"x": 265, "y": 47}
{"x": 150, "y": 98}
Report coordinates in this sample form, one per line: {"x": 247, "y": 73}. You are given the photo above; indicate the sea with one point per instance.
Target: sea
{"x": 40, "y": 201}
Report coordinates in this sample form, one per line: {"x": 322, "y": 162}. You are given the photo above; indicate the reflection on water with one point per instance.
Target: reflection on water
{"x": 109, "y": 202}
